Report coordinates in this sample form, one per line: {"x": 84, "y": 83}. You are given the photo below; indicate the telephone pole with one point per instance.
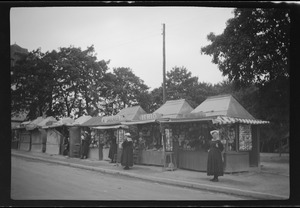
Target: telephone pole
{"x": 164, "y": 66}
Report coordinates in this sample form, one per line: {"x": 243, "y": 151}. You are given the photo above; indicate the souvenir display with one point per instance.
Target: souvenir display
{"x": 245, "y": 137}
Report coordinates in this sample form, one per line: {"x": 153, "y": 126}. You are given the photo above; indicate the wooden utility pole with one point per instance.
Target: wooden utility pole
{"x": 164, "y": 66}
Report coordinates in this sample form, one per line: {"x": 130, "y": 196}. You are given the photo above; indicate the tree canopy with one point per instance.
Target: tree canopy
{"x": 254, "y": 47}
{"x": 129, "y": 89}
{"x": 72, "y": 82}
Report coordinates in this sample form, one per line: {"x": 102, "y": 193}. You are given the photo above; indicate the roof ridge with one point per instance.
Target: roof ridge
{"x": 219, "y": 96}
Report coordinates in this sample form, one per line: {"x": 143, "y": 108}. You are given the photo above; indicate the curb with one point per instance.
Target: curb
{"x": 187, "y": 184}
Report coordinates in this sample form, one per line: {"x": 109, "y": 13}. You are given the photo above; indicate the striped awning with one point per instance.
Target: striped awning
{"x": 231, "y": 120}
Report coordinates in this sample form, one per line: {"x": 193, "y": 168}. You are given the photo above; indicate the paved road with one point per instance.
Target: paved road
{"x": 36, "y": 180}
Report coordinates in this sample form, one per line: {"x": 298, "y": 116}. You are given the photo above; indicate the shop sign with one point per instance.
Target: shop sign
{"x": 150, "y": 116}
{"x": 245, "y": 137}
{"x": 111, "y": 119}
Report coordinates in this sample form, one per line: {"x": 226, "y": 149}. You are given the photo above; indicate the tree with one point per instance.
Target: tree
{"x": 181, "y": 84}
{"x": 79, "y": 81}
{"x": 129, "y": 89}
{"x": 64, "y": 83}
{"x": 156, "y": 99}
{"x": 254, "y": 49}
{"x": 31, "y": 84}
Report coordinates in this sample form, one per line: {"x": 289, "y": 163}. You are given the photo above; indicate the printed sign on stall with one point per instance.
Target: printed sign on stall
{"x": 245, "y": 137}
{"x": 121, "y": 138}
{"x": 169, "y": 141}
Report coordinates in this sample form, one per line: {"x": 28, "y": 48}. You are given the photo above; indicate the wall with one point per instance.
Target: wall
{"x": 36, "y": 141}
{"x": 53, "y": 141}
{"x": 25, "y": 141}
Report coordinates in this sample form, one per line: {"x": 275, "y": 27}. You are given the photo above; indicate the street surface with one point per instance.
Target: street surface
{"x": 36, "y": 180}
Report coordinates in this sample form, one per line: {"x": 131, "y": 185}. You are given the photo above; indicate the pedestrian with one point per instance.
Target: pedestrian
{"x": 127, "y": 152}
{"x": 214, "y": 160}
{"x": 113, "y": 149}
{"x": 85, "y": 143}
{"x": 66, "y": 146}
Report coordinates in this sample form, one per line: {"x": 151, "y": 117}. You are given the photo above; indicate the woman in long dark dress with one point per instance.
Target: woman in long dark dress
{"x": 214, "y": 160}
{"x": 66, "y": 146}
{"x": 127, "y": 153}
{"x": 113, "y": 149}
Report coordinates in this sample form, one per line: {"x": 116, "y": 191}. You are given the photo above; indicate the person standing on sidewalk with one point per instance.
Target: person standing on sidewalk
{"x": 214, "y": 159}
{"x": 66, "y": 146}
{"x": 127, "y": 152}
{"x": 113, "y": 149}
{"x": 85, "y": 141}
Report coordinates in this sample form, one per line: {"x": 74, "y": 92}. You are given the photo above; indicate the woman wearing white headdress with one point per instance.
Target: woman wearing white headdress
{"x": 214, "y": 159}
{"x": 127, "y": 153}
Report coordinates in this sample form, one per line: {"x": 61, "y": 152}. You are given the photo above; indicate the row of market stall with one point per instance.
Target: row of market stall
{"x": 175, "y": 135}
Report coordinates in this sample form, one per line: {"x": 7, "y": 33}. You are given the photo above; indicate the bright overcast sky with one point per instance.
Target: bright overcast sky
{"x": 127, "y": 36}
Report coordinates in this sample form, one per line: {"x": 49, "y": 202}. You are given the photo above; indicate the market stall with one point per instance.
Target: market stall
{"x": 16, "y": 122}
{"x": 17, "y": 132}
{"x": 74, "y": 133}
{"x": 188, "y": 139}
{"x": 105, "y": 134}
{"x": 28, "y": 129}
{"x": 239, "y": 134}
{"x": 149, "y": 144}
{"x": 109, "y": 126}
{"x": 153, "y": 140}
{"x": 39, "y": 135}
{"x": 57, "y": 133}
{"x": 96, "y": 145}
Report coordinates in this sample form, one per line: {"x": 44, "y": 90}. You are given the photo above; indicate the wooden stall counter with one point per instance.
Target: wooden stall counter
{"x": 236, "y": 162}
{"x": 93, "y": 153}
{"x": 192, "y": 160}
{"x": 151, "y": 157}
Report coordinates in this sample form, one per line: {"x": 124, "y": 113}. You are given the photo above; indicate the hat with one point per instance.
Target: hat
{"x": 128, "y": 134}
{"x": 214, "y": 131}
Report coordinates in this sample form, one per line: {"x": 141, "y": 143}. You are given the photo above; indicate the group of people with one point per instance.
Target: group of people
{"x": 214, "y": 160}
{"x": 215, "y": 166}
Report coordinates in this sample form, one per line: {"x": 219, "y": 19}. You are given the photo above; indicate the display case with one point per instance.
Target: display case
{"x": 191, "y": 136}
{"x": 245, "y": 137}
{"x": 169, "y": 140}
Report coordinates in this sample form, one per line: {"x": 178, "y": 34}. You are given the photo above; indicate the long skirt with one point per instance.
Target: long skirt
{"x": 215, "y": 163}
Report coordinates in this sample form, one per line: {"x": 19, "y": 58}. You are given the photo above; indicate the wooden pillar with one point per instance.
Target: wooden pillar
{"x": 254, "y": 159}
{"x": 258, "y": 146}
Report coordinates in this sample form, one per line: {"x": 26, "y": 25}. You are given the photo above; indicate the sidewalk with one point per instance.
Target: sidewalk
{"x": 272, "y": 182}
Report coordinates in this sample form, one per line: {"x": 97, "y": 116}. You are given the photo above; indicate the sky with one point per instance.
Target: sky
{"x": 129, "y": 37}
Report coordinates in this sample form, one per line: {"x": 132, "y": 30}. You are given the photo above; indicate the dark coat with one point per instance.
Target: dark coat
{"x": 66, "y": 146}
{"x": 86, "y": 145}
{"x": 127, "y": 153}
{"x": 112, "y": 149}
{"x": 214, "y": 160}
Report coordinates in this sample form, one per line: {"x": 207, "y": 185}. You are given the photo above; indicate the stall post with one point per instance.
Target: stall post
{"x": 169, "y": 160}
